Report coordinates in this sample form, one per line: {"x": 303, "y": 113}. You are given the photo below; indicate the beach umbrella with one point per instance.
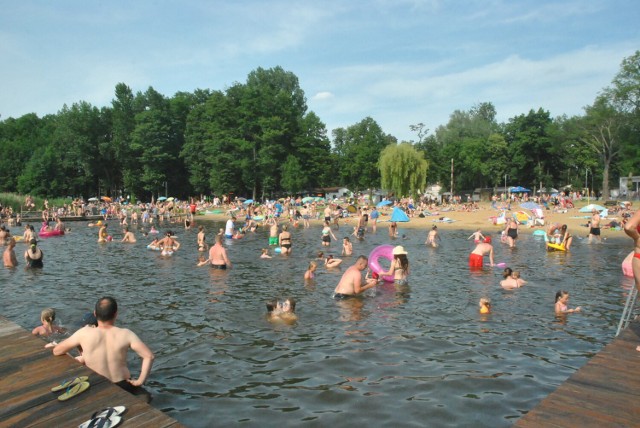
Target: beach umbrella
{"x": 162, "y": 198}
{"x": 530, "y": 206}
{"x": 518, "y": 189}
{"x": 591, "y": 207}
{"x": 383, "y": 204}
{"x": 171, "y": 199}
{"x": 248, "y": 201}
{"x": 308, "y": 199}
{"x": 94, "y": 199}
{"x": 398, "y": 215}
{"x": 106, "y": 199}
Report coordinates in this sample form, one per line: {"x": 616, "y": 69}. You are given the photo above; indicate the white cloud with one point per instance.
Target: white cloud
{"x": 325, "y": 95}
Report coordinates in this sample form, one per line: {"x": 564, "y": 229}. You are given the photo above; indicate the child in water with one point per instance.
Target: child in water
{"x": 309, "y": 274}
{"x": 265, "y": 253}
{"x": 47, "y": 317}
{"x": 202, "y": 261}
{"x": 347, "y": 246}
{"x": 562, "y": 298}
{"x": 485, "y": 305}
{"x": 477, "y": 236}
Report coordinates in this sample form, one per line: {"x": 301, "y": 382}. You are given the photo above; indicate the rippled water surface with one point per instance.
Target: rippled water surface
{"x": 410, "y": 356}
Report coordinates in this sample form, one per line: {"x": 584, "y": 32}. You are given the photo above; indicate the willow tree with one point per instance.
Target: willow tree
{"x": 403, "y": 169}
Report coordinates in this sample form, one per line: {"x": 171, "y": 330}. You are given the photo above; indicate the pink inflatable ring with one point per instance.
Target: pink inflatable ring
{"x": 381, "y": 252}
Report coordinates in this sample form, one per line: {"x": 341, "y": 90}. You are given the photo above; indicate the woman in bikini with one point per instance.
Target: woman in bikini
{"x": 632, "y": 229}
{"x": 327, "y": 234}
{"x": 399, "y": 266}
{"x": 284, "y": 240}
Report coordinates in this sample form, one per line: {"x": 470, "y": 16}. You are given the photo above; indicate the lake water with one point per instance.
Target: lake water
{"x": 410, "y": 356}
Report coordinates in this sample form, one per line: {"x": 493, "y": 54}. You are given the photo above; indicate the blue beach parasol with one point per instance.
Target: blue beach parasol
{"x": 383, "y": 204}
{"x": 398, "y": 215}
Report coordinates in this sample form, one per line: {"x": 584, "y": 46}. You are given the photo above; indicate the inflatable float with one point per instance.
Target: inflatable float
{"x": 49, "y": 233}
{"x": 555, "y": 247}
{"x": 381, "y": 252}
{"x": 627, "y": 268}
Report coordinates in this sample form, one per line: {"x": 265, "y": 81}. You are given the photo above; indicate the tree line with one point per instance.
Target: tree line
{"x": 258, "y": 139}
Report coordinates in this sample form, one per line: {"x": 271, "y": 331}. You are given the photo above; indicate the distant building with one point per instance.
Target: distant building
{"x": 629, "y": 187}
{"x": 331, "y": 193}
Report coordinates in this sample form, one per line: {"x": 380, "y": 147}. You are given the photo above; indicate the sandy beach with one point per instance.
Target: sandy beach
{"x": 480, "y": 219}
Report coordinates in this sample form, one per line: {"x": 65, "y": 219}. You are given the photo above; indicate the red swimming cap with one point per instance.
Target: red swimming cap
{"x": 487, "y": 239}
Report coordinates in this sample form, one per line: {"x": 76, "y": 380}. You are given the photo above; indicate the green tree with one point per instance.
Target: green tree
{"x": 602, "y": 125}
{"x": 530, "y": 148}
{"x": 403, "y": 169}
{"x": 358, "y": 150}
{"x": 151, "y": 145}
{"x": 19, "y": 139}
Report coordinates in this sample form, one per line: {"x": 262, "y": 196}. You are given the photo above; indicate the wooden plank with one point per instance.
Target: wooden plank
{"x": 604, "y": 392}
{"x": 28, "y": 371}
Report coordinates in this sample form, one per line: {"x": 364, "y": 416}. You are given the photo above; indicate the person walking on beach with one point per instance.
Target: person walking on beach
{"x": 476, "y": 258}
{"x": 104, "y": 348}
{"x": 350, "y": 284}
{"x": 632, "y": 229}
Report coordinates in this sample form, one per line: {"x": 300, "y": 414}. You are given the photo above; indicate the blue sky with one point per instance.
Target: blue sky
{"x": 399, "y": 62}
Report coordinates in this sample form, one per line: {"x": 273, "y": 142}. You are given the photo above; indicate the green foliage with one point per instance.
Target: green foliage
{"x": 358, "y": 148}
{"x": 257, "y": 139}
{"x": 403, "y": 169}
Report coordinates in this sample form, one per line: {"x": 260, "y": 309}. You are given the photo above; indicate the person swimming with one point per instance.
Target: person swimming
{"x": 562, "y": 298}
{"x": 47, "y": 317}
{"x": 264, "y": 253}
{"x": 282, "y": 311}
{"x": 309, "y": 274}
{"x": 485, "y": 305}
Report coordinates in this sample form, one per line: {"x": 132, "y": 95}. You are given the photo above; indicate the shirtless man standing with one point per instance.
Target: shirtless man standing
{"x": 9, "y": 255}
{"x": 594, "y": 232}
{"x": 218, "y": 255}
{"x": 477, "y": 255}
{"x": 350, "y": 284}
{"x": 273, "y": 230}
{"x": 104, "y": 348}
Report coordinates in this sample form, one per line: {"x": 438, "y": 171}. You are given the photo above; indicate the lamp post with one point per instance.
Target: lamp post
{"x": 586, "y": 183}
{"x": 506, "y": 191}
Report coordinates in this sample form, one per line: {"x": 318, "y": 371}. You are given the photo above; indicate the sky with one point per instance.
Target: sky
{"x": 400, "y": 62}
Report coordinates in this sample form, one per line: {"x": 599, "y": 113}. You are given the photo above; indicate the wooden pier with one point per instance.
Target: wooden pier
{"x": 28, "y": 371}
{"x": 603, "y": 393}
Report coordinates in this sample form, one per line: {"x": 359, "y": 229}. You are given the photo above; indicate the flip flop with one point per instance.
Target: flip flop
{"x": 74, "y": 390}
{"x": 102, "y": 422}
{"x": 108, "y": 412}
{"x": 67, "y": 383}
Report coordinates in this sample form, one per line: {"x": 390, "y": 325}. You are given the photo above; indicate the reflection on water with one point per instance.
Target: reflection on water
{"x": 401, "y": 355}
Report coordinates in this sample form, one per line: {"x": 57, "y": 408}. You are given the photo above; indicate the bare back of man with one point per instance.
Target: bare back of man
{"x": 105, "y": 350}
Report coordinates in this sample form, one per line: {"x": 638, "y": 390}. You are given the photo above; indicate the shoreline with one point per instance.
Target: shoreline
{"x": 463, "y": 220}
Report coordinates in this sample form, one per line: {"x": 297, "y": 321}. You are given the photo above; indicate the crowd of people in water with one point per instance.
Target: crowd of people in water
{"x": 90, "y": 341}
